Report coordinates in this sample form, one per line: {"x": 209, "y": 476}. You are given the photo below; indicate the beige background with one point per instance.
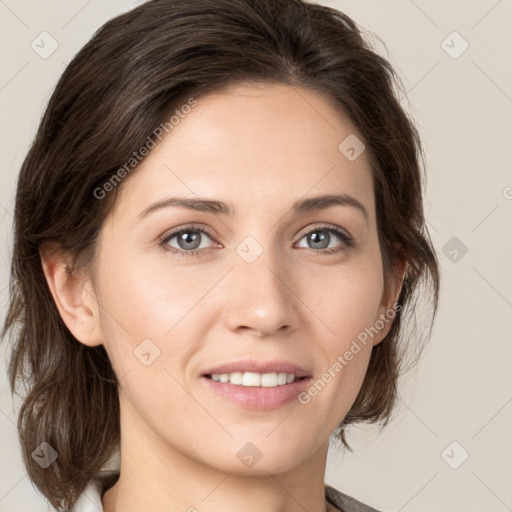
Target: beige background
{"x": 462, "y": 390}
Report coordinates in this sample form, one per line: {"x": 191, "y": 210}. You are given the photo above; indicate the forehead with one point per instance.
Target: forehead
{"x": 253, "y": 146}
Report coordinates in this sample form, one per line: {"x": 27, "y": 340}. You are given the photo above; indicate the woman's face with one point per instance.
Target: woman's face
{"x": 252, "y": 287}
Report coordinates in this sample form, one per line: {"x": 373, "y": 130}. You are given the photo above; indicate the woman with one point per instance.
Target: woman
{"x": 218, "y": 229}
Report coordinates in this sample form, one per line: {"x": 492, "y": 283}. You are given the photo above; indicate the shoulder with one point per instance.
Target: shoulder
{"x": 90, "y": 500}
{"x": 344, "y": 502}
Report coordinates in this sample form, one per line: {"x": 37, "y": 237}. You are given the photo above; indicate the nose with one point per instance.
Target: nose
{"x": 260, "y": 297}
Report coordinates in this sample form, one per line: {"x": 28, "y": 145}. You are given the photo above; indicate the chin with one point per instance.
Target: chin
{"x": 258, "y": 457}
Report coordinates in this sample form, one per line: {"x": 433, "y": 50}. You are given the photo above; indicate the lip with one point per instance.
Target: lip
{"x": 257, "y": 398}
{"x": 252, "y": 365}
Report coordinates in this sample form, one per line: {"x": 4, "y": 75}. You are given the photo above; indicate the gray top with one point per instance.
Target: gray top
{"x": 90, "y": 499}
{"x": 344, "y": 502}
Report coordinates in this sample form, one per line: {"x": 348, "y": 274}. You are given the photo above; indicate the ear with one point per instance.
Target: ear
{"x": 388, "y": 306}
{"x": 74, "y": 297}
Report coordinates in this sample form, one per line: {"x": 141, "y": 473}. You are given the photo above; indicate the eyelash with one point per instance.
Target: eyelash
{"x": 347, "y": 241}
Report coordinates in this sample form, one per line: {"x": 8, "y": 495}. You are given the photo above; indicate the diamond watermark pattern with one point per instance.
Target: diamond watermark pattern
{"x": 454, "y": 455}
{"x": 454, "y": 249}
{"x": 454, "y": 45}
{"x": 44, "y": 45}
{"x": 249, "y": 455}
{"x": 249, "y": 249}
{"x": 352, "y": 147}
{"x": 44, "y": 455}
{"x": 146, "y": 352}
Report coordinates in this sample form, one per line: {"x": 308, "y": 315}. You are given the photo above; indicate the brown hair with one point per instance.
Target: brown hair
{"x": 123, "y": 84}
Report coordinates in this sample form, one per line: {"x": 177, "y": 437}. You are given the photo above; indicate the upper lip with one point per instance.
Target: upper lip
{"x": 252, "y": 365}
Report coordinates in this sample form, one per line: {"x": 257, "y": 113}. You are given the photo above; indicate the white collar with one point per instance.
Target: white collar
{"x": 90, "y": 499}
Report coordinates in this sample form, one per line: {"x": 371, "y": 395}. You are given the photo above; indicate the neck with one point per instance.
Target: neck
{"x": 155, "y": 476}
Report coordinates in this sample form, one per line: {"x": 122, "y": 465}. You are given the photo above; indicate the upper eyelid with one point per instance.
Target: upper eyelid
{"x": 173, "y": 232}
{"x": 328, "y": 226}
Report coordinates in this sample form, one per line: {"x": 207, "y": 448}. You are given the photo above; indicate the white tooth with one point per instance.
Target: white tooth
{"x": 281, "y": 379}
{"x": 235, "y": 378}
{"x": 251, "y": 379}
{"x": 254, "y": 379}
{"x": 269, "y": 380}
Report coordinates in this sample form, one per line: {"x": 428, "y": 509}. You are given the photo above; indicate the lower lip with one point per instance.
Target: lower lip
{"x": 257, "y": 397}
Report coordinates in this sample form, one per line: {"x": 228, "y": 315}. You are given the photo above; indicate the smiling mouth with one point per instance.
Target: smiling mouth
{"x": 254, "y": 379}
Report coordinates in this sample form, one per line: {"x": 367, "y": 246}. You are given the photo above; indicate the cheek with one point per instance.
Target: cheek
{"x": 153, "y": 308}
{"x": 148, "y": 335}
{"x": 345, "y": 300}
{"x": 146, "y": 299}
{"x": 346, "y": 304}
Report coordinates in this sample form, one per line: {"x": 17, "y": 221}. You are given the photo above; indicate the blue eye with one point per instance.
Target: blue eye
{"x": 189, "y": 240}
{"x": 322, "y": 242}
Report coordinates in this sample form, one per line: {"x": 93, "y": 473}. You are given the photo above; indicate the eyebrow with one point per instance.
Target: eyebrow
{"x": 219, "y": 207}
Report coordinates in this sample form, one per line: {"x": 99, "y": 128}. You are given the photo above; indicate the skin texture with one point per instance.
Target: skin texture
{"x": 258, "y": 148}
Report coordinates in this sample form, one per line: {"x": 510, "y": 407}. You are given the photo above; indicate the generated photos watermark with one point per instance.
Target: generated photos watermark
{"x": 137, "y": 156}
{"x": 343, "y": 360}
